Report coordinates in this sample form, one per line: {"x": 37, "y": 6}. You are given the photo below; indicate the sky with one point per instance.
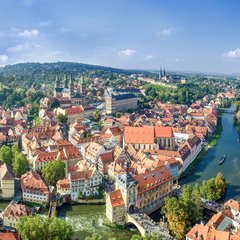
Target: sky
{"x": 178, "y": 35}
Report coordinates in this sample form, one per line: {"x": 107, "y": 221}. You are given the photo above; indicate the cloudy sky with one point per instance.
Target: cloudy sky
{"x": 180, "y": 35}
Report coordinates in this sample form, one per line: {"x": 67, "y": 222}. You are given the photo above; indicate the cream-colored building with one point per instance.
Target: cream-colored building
{"x": 145, "y": 192}
{"x": 115, "y": 207}
{"x": 6, "y": 182}
{"x": 63, "y": 186}
{"x": 11, "y": 214}
{"x": 120, "y": 102}
{"x": 73, "y": 113}
{"x": 34, "y": 189}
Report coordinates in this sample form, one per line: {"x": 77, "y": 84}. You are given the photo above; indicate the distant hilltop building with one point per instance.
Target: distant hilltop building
{"x": 164, "y": 77}
{"x": 70, "y": 90}
{"x": 120, "y": 102}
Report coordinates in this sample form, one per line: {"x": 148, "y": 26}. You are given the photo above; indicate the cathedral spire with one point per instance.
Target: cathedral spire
{"x": 71, "y": 86}
{"x": 65, "y": 81}
{"x": 57, "y": 84}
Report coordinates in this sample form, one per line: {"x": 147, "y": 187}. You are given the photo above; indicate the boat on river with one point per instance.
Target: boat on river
{"x": 222, "y": 159}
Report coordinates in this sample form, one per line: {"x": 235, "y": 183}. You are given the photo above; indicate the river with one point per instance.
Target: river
{"x": 208, "y": 167}
{"x": 89, "y": 219}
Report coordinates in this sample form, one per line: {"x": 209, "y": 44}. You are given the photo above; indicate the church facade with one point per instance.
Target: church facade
{"x": 69, "y": 89}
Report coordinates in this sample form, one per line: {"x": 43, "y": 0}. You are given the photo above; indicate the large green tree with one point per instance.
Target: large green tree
{"x": 62, "y": 118}
{"x": 178, "y": 219}
{"x": 214, "y": 188}
{"x": 40, "y": 228}
{"x": 20, "y": 164}
{"x": 191, "y": 202}
{"x": 14, "y": 150}
{"x": 6, "y": 155}
{"x": 97, "y": 115}
{"x": 184, "y": 212}
{"x": 54, "y": 171}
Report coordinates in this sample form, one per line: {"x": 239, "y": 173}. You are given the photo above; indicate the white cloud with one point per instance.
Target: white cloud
{"x": 21, "y": 47}
{"x": 232, "y": 53}
{"x": 29, "y": 33}
{"x": 167, "y": 31}
{"x": 178, "y": 59}
{"x": 127, "y": 52}
{"x": 148, "y": 57}
{"x": 3, "y": 58}
{"x": 45, "y": 23}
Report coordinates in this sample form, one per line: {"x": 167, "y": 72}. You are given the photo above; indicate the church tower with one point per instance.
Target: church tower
{"x": 57, "y": 88}
{"x": 57, "y": 83}
{"x": 65, "y": 81}
{"x": 160, "y": 75}
{"x": 71, "y": 87}
{"x": 82, "y": 89}
{"x": 82, "y": 86}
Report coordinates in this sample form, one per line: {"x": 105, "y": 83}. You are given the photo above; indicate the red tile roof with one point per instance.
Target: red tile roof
{"x": 16, "y": 210}
{"x": 149, "y": 180}
{"x": 108, "y": 156}
{"x": 33, "y": 182}
{"x": 74, "y": 110}
{"x": 8, "y": 236}
{"x": 64, "y": 183}
{"x": 233, "y": 204}
{"x": 116, "y": 198}
{"x": 82, "y": 175}
{"x": 139, "y": 135}
{"x": 163, "y": 132}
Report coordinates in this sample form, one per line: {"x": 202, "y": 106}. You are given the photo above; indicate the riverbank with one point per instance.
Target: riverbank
{"x": 91, "y": 201}
{"x": 191, "y": 166}
{"x": 212, "y": 143}
{"x": 209, "y": 166}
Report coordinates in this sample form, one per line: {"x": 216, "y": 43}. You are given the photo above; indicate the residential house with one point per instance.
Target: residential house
{"x": 115, "y": 207}
{"x": 6, "y": 182}
{"x": 11, "y": 214}
{"x": 34, "y": 189}
{"x": 85, "y": 183}
{"x": 73, "y": 113}
{"x": 104, "y": 160}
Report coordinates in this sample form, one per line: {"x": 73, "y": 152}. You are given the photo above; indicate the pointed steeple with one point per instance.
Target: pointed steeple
{"x": 164, "y": 72}
{"x": 65, "y": 81}
{"x": 71, "y": 86}
{"x": 57, "y": 83}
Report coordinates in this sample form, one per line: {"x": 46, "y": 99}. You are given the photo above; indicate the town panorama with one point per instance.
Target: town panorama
{"x": 119, "y": 120}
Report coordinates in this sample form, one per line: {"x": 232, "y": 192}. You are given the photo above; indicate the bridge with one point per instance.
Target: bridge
{"x": 146, "y": 225}
{"x": 210, "y": 205}
{"x": 52, "y": 209}
{"x": 53, "y": 204}
{"x": 227, "y": 110}
{"x": 213, "y": 206}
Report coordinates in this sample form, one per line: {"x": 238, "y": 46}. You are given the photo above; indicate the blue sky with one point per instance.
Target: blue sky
{"x": 182, "y": 35}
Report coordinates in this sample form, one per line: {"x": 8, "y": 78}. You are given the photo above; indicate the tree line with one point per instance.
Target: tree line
{"x": 184, "y": 212}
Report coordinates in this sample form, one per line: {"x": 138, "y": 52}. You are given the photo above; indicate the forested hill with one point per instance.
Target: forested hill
{"x": 28, "y": 74}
